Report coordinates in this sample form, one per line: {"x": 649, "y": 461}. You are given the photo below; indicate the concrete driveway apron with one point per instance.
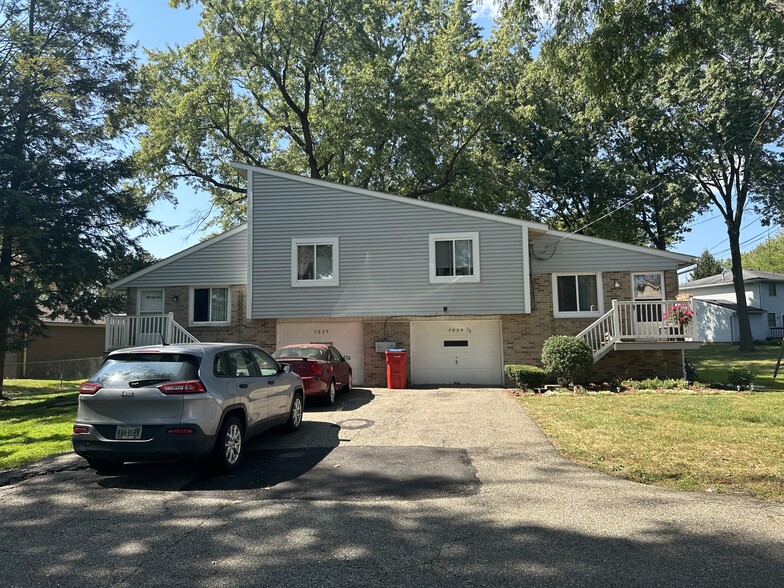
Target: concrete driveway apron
{"x": 449, "y": 487}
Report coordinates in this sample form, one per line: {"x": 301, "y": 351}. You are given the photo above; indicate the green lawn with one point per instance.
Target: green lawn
{"x": 37, "y": 421}
{"x": 699, "y": 439}
{"x": 713, "y": 361}
{"x": 729, "y": 442}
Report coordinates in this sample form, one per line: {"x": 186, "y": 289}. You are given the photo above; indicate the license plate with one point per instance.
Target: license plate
{"x": 128, "y": 432}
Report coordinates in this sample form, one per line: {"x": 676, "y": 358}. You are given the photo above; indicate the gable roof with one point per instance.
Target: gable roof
{"x": 725, "y": 278}
{"x": 682, "y": 259}
{"x": 730, "y": 305}
{"x": 192, "y": 249}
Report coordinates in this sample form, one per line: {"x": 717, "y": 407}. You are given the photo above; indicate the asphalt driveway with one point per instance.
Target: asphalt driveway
{"x": 449, "y": 487}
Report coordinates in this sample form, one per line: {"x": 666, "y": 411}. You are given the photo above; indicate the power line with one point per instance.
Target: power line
{"x": 746, "y": 226}
{"x": 754, "y": 239}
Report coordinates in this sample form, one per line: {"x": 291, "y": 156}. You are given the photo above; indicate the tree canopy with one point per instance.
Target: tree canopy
{"x": 402, "y": 100}
{"x": 707, "y": 266}
{"x": 768, "y": 256}
{"x": 705, "y": 80}
{"x": 66, "y": 77}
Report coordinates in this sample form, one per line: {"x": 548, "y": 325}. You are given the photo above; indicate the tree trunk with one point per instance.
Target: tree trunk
{"x": 746, "y": 339}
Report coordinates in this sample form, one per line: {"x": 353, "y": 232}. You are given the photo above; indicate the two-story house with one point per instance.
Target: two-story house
{"x": 715, "y": 300}
{"x": 463, "y": 292}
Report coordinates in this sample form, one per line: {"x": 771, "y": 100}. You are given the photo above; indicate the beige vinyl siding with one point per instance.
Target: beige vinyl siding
{"x": 220, "y": 263}
{"x": 383, "y": 251}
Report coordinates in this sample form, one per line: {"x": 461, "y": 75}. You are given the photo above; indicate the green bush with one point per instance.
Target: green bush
{"x": 569, "y": 359}
{"x": 656, "y": 384}
{"x": 526, "y": 375}
{"x": 741, "y": 376}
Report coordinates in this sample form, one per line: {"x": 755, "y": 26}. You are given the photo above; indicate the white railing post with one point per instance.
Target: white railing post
{"x": 170, "y": 328}
{"x": 616, "y": 321}
{"x": 107, "y": 333}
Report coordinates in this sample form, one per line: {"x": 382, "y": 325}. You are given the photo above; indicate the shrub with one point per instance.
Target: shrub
{"x": 741, "y": 376}
{"x": 526, "y": 375}
{"x": 569, "y": 359}
{"x": 656, "y": 384}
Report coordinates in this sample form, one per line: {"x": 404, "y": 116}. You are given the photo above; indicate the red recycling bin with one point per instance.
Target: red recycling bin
{"x": 396, "y": 368}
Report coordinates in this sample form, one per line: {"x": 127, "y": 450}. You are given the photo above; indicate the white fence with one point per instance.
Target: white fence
{"x": 148, "y": 329}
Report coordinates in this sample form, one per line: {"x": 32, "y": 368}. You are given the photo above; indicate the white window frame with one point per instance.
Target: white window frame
{"x": 193, "y": 289}
{"x": 579, "y": 313}
{"x": 335, "y": 281}
{"x": 139, "y": 300}
{"x": 474, "y": 237}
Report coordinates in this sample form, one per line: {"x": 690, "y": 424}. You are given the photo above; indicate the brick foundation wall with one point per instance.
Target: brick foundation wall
{"x": 638, "y": 365}
{"x": 397, "y": 330}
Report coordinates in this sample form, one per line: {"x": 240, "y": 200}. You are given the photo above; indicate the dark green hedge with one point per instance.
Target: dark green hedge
{"x": 526, "y": 376}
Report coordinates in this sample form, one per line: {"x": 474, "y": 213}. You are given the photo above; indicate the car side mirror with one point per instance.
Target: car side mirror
{"x": 285, "y": 368}
{"x": 346, "y": 357}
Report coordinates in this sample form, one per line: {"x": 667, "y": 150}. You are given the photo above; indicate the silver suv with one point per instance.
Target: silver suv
{"x": 183, "y": 401}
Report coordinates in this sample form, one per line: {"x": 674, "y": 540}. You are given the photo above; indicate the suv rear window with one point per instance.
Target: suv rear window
{"x": 141, "y": 370}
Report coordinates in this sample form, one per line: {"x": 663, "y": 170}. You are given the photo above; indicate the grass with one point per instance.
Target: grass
{"x": 699, "y": 439}
{"x": 728, "y": 442}
{"x": 37, "y": 421}
{"x": 713, "y": 361}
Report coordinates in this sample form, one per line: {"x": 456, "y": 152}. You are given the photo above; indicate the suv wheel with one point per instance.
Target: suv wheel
{"x": 229, "y": 445}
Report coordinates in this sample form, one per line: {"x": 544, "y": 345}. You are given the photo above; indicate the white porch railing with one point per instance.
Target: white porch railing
{"x": 641, "y": 321}
{"x": 148, "y": 329}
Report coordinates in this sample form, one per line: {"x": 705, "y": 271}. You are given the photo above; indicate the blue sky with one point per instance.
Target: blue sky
{"x": 155, "y": 25}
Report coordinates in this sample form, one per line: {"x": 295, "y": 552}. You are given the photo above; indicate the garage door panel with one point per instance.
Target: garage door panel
{"x": 456, "y": 352}
{"x": 347, "y": 337}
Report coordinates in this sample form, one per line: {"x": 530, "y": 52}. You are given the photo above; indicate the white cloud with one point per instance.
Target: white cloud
{"x": 486, "y": 8}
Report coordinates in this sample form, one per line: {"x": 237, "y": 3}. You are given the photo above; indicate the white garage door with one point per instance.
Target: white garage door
{"x": 456, "y": 352}
{"x": 347, "y": 337}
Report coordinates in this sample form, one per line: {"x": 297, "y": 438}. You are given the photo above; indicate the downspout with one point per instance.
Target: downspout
{"x": 732, "y": 328}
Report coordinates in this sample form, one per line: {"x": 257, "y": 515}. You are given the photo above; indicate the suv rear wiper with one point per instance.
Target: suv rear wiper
{"x": 150, "y": 382}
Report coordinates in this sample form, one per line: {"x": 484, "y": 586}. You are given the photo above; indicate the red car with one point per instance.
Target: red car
{"x": 322, "y": 368}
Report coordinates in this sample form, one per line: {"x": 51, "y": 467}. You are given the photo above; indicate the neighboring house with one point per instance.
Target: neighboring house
{"x": 715, "y": 299}
{"x": 464, "y": 292}
{"x": 65, "y": 350}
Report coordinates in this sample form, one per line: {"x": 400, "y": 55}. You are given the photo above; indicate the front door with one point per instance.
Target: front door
{"x": 151, "y": 327}
{"x": 648, "y": 295}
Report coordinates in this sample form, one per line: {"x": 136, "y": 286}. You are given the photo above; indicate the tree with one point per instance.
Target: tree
{"x": 66, "y": 75}
{"x": 590, "y": 168}
{"x": 397, "y": 101}
{"x": 768, "y": 256}
{"x": 707, "y": 266}
{"x": 709, "y": 79}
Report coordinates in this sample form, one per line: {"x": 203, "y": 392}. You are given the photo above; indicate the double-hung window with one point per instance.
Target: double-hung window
{"x": 314, "y": 262}
{"x": 210, "y": 305}
{"x": 454, "y": 257}
{"x": 577, "y": 295}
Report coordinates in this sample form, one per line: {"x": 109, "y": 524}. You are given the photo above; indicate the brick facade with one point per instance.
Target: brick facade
{"x": 523, "y": 335}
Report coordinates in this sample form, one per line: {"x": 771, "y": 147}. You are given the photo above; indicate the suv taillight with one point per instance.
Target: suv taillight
{"x": 89, "y": 388}
{"x": 189, "y": 387}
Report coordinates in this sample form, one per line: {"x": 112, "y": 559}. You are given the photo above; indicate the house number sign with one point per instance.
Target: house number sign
{"x": 320, "y": 331}
{"x": 459, "y": 330}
